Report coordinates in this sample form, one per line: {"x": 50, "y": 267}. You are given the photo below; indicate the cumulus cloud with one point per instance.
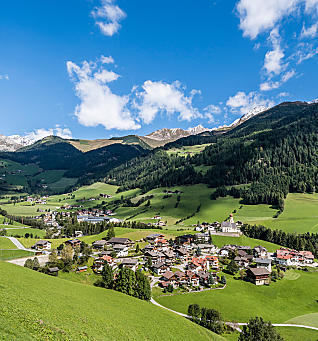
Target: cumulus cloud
{"x": 39, "y": 134}
{"x": 273, "y": 63}
{"x": 257, "y": 16}
{"x": 98, "y": 104}
{"x": 243, "y": 103}
{"x": 161, "y": 97}
{"x": 108, "y": 16}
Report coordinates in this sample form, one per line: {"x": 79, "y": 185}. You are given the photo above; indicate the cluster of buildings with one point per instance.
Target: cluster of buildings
{"x": 225, "y": 227}
{"x": 38, "y": 201}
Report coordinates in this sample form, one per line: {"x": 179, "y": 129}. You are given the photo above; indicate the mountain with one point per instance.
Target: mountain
{"x": 273, "y": 152}
{"x": 169, "y": 135}
{"x": 156, "y": 139}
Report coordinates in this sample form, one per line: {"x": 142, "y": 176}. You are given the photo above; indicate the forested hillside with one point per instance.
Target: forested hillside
{"x": 275, "y": 152}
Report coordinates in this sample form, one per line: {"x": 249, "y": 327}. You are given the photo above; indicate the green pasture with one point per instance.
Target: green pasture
{"x": 41, "y": 307}
{"x": 239, "y": 301}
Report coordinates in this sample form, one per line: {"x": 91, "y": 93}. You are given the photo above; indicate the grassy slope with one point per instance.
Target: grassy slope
{"x": 288, "y": 333}
{"x": 14, "y": 254}
{"x": 42, "y": 308}
{"x": 21, "y": 232}
{"x": 6, "y": 244}
{"x": 278, "y": 302}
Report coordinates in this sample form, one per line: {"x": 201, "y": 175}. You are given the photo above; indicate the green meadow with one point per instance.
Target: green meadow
{"x": 290, "y": 298}
{"x": 14, "y": 254}
{"x": 12, "y": 232}
{"x": 187, "y": 150}
{"x": 41, "y": 307}
{"x": 6, "y": 244}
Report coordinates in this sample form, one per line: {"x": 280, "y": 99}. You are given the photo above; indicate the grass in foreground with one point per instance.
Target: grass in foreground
{"x": 39, "y": 307}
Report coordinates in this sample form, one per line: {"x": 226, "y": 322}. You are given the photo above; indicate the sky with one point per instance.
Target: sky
{"x": 101, "y": 68}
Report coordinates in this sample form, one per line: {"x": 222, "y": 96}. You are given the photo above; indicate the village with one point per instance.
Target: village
{"x": 190, "y": 262}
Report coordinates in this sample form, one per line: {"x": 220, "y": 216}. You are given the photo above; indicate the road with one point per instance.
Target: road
{"x": 18, "y": 244}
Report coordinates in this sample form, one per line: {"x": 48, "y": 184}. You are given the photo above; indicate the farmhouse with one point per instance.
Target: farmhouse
{"x": 123, "y": 241}
{"x": 99, "y": 244}
{"x": 82, "y": 269}
{"x": 42, "y": 245}
{"x": 121, "y": 250}
{"x": 73, "y": 242}
{"x": 263, "y": 263}
{"x": 53, "y": 271}
{"x": 258, "y": 276}
{"x": 160, "y": 268}
{"x": 130, "y": 263}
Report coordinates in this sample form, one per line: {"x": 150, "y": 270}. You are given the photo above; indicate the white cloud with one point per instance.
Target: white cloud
{"x": 288, "y": 75}
{"x": 108, "y": 16}
{"x": 39, "y": 134}
{"x": 168, "y": 98}
{"x": 267, "y": 86}
{"x": 309, "y": 32}
{"x": 304, "y": 52}
{"x": 6, "y": 77}
{"x": 243, "y": 103}
{"x": 107, "y": 60}
{"x": 273, "y": 63}
{"x": 311, "y": 5}
{"x": 99, "y": 105}
{"x": 210, "y": 111}
{"x": 257, "y": 16}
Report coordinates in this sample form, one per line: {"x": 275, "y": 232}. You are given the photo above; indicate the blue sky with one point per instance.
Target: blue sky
{"x": 101, "y": 68}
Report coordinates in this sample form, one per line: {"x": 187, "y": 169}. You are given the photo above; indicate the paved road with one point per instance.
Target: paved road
{"x": 18, "y": 244}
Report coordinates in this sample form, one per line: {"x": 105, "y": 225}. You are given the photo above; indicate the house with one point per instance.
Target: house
{"x": 202, "y": 238}
{"x": 308, "y": 257}
{"x": 160, "y": 268}
{"x": 181, "y": 253}
{"x": 213, "y": 262}
{"x": 198, "y": 264}
{"x": 99, "y": 244}
{"x": 78, "y": 234}
{"x": 260, "y": 252}
{"x": 263, "y": 263}
{"x": 258, "y": 276}
{"x": 121, "y": 250}
{"x": 99, "y": 263}
{"x": 42, "y": 245}
{"x": 53, "y": 271}
{"x": 184, "y": 239}
{"x": 73, "y": 242}
{"x": 192, "y": 278}
{"x": 206, "y": 248}
{"x": 82, "y": 269}
{"x": 122, "y": 241}
{"x": 242, "y": 262}
{"x": 169, "y": 256}
{"x": 203, "y": 277}
{"x": 156, "y": 256}
{"x": 130, "y": 263}
{"x": 152, "y": 238}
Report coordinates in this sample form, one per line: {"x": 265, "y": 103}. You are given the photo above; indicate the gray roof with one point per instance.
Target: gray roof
{"x": 54, "y": 269}
{"x": 130, "y": 261}
{"x": 262, "y": 261}
{"x": 158, "y": 265}
{"x": 259, "y": 271}
{"x": 115, "y": 240}
{"x": 100, "y": 242}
